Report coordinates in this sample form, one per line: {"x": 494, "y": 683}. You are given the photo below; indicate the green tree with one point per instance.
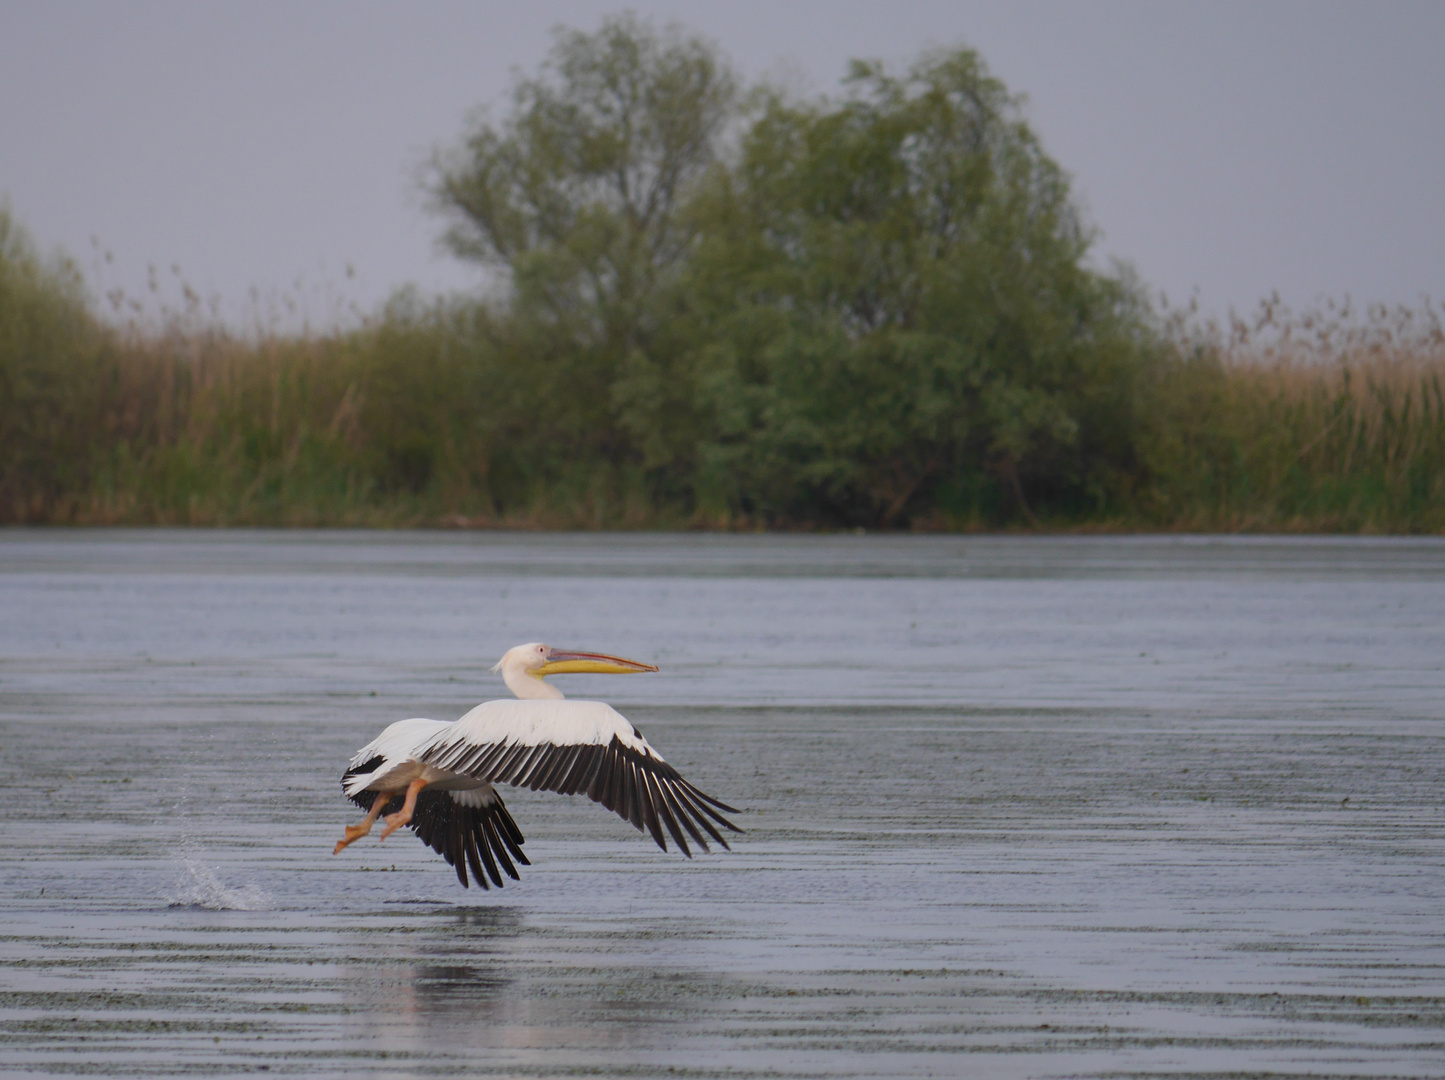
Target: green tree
{"x": 893, "y": 313}
{"x": 576, "y": 200}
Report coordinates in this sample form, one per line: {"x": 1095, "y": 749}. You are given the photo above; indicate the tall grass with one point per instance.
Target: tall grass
{"x": 367, "y": 427}
{"x": 1328, "y": 420}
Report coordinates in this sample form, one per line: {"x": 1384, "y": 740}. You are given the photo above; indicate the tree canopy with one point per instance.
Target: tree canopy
{"x": 858, "y": 310}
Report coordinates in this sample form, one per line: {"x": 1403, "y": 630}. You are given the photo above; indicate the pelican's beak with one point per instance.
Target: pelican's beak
{"x": 559, "y": 662}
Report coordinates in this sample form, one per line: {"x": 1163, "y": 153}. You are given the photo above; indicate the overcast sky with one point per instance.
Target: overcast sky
{"x": 1224, "y": 149}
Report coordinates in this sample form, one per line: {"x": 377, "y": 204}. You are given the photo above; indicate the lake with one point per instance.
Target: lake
{"x": 1014, "y": 807}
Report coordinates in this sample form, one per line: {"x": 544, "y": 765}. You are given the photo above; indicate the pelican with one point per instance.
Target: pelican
{"x": 438, "y": 777}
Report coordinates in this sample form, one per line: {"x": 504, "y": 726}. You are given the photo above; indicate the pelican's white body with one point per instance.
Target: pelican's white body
{"x": 530, "y": 723}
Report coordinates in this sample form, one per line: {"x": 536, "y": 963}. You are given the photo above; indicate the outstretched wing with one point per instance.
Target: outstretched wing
{"x": 579, "y": 747}
{"x": 467, "y": 828}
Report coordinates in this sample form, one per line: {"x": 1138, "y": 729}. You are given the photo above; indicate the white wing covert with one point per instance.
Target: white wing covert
{"x": 389, "y": 750}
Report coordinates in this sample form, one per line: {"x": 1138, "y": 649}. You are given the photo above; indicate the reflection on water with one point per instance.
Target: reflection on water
{"x": 1013, "y": 808}
{"x": 474, "y": 980}
{"x": 457, "y": 973}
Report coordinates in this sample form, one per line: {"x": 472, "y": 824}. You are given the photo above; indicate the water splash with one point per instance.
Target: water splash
{"x": 199, "y": 886}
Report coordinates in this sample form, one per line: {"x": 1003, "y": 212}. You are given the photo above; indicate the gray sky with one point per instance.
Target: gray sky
{"x": 1225, "y": 148}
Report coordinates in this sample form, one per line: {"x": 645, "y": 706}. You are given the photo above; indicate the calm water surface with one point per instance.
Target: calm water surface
{"x": 1015, "y": 808}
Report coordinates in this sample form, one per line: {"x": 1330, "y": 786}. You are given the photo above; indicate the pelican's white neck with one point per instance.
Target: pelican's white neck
{"x": 529, "y": 687}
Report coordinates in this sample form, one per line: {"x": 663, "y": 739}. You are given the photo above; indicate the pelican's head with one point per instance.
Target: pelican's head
{"x": 524, "y": 666}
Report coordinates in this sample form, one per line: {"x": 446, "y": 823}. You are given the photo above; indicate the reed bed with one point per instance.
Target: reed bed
{"x": 1327, "y": 420}
{"x": 211, "y": 429}
{"x": 439, "y": 415}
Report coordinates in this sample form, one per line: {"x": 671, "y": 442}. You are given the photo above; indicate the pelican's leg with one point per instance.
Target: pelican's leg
{"x": 361, "y": 828}
{"x": 403, "y": 816}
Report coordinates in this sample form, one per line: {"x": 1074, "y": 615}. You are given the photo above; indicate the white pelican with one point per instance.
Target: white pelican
{"x": 438, "y": 777}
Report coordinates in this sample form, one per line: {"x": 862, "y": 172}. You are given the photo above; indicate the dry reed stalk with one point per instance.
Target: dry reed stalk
{"x": 1317, "y": 420}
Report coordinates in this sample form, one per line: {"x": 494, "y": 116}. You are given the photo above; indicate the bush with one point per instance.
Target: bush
{"x": 54, "y": 381}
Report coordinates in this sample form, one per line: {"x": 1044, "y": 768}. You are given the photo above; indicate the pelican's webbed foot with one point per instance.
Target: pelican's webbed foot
{"x": 362, "y": 827}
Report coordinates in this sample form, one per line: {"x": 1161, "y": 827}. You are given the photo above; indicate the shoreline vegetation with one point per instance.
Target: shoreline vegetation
{"x": 731, "y": 308}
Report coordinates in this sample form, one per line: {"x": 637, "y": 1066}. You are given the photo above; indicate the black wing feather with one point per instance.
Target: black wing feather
{"x": 499, "y": 849}
{"x": 461, "y": 839}
{"x": 637, "y": 787}
{"x": 481, "y": 845}
{"x": 664, "y": 812}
